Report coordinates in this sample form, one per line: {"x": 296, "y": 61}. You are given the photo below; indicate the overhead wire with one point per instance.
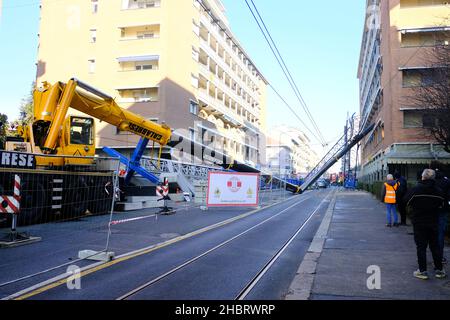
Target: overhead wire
{"x": 285, "y": 69}
{"x": 208, "y": 11}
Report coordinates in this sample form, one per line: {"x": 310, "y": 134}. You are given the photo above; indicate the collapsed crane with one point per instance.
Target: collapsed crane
{"x": 336, "y": 152}
{"x": 59, "y": 140}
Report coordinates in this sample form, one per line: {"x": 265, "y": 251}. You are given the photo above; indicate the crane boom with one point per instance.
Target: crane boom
{"x": 96, "y": 104}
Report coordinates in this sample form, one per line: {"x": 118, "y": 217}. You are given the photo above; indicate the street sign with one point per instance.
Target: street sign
{"x": 231, "y": 189}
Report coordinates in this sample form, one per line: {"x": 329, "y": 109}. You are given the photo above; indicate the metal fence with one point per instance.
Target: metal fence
{"x": 69, "y": 212}
{"x": 53, "y": 214}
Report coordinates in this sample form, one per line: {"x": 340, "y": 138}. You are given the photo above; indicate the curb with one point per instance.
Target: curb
{"x": 301, "y": 286}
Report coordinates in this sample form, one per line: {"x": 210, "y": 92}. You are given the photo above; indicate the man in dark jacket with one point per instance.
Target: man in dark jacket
{"x": 401, "y": 192}
{"x": 425, "y": 200}
{"x": 444, "y": 184}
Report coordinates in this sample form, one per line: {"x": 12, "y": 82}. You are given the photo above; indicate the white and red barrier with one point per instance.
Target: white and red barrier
{"x": 11, "y": 204}
{"x": 163, "y": 190}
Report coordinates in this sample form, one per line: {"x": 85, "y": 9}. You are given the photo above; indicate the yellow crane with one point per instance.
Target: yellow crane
{"x": 58, "y": 151}
{"x": 52, "y": 132}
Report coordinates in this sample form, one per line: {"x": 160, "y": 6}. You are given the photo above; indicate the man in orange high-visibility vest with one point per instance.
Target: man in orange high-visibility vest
{"x": 388, "y": 196}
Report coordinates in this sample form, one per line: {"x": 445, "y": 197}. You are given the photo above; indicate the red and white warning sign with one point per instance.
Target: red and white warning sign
{"x": 163, "y": 190}
{"x": 11, "y": 204}
{"x": 230, "y": 189}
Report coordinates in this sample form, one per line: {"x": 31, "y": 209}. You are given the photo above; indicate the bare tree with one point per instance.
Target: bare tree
{"x": 432, "y": 97}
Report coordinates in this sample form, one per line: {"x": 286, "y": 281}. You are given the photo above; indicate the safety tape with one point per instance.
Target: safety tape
{"x": 116, "y": 222}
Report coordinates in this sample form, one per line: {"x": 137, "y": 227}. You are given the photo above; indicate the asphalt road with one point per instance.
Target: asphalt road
{"x": 243, "y": 246}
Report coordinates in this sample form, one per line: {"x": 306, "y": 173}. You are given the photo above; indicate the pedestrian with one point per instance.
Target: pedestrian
{"x": 388, "y": 196}
{"x": 400, "y": 193}
{"x": 444, "y": 184}
{"x": 425, "y": 200}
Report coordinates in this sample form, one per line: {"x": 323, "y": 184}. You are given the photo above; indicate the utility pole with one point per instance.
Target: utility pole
{"x": 345, "y": 142}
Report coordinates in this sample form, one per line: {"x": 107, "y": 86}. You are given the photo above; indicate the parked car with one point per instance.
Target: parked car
{"x": 322, "y": 184}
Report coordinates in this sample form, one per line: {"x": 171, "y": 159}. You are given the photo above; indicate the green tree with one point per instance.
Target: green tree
{"x": 3, "y": 128}
{"x": 26, "y": 107}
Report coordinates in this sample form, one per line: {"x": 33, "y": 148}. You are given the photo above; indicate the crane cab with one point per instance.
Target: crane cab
{"x": 78, "y": 140}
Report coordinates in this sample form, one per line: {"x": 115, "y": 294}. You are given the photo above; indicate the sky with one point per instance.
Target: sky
{"x": 319, "y": 41}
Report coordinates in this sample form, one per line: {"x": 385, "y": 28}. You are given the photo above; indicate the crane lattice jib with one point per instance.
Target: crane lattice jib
{"x": 333, "y": 156}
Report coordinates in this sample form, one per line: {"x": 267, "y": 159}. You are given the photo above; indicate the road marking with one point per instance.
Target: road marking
{"x": 261, "y": 274}
{"x": 61, "y": 279}
{"x": 149, "y": 283}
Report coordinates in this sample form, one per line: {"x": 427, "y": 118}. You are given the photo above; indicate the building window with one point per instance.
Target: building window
{"x": 138, "y": 63}
{"x": 412, "y": 119}
{"x": 139, "y": 66}
{"x": 428, "y": 121}
{"x": 418, "y": 119}
{"x": 419, "y": 77}
{"x": 192, "y": 134}
{"x": 93, "y": 34}
{"x": 193, "y": 107}
{"x": 145, "y": 35}
{"x": 195, "y": 54}
{"x": 91, "y": 63}
{"x": 94, "y": 6}
{"x": 195, "y": 27}
{"x": 194, "y": 81}
{"x": 140, "y": 32}
{"x": 139, "y": 95}
{"x": 419, "y": 3}
{"x": 140, "y": 4}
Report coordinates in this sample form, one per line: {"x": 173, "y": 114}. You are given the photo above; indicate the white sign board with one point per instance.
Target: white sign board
{"x": 229, "y": 189}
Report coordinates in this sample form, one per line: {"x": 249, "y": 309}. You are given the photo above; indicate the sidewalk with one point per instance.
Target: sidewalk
{"x": 355, "y": 239}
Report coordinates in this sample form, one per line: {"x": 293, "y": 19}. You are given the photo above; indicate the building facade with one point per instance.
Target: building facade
{"x": 397, "y": 39}
{"x": 172, "y": 61}
{"x": 290, "y": 153}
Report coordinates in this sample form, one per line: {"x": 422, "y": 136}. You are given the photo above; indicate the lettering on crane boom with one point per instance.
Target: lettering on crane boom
{"x": 145, "y": 132}
{"x": 17, "y": 160}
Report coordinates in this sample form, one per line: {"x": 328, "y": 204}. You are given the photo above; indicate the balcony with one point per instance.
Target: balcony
{"x": 212, "y": 54}
{"x": 227, "y": 48}
{"x": 219, "y": 84}
{"x": 128, "y": 48}
{"x": 138, "y": 16}
{"x": 138, "y": 79}
{"x": 432, "y": 13}
{"x": 140, "y": 32}
{"x": 217, "y": 107}
{"x": 136, "y": 95}
{"x": 140, "y": 4}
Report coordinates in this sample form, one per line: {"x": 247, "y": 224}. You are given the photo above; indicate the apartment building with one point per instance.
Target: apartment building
{"x": 397, "y": 40}
{"x": 290, "y": 153}
{"x": 172, "y": 61}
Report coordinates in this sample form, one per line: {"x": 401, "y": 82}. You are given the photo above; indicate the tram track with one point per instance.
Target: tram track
{"x": 251, "y": 284}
